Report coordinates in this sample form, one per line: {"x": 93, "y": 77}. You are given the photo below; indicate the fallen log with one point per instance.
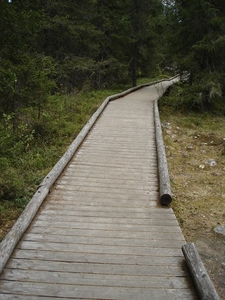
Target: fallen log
{"x": 201, "y": 278}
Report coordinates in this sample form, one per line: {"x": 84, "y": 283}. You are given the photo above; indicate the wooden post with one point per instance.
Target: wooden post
{"x": 201, "y": 278}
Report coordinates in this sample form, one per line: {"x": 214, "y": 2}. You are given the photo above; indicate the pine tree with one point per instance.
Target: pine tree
{"x": 145, "y": 18}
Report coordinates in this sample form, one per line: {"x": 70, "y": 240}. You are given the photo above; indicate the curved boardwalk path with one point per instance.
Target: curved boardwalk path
{"x": 101, "y": 233}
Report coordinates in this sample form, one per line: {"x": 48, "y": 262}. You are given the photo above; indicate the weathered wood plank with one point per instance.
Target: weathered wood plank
{"x": 105, "y": 233}
{"x": 89, "y": 268}
{"x": 115, "y": 197}
{"x": 76, "y": 177}
{"x": 152, "y": 214}
{"x": 77, "y": 212}
{"x": 77, "y": 205}
{"x": 47, "y": 246}
{"x": 116, "y": 227}
{"x": 105, "y": 190}
{"x": 102, "y": 241}
{"x": 118, "y": 259}
{"x": 76, "y": 279}
{"x": 102, "y": 184}
{"x": 87, "y": 292}
{"x": 105, "y": 220}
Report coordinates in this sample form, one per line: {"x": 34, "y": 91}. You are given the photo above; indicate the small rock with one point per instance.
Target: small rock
{"x": 168, "y": 132}
{"x": 203, "y": 151}
{"x": 185, "y": 154}
{"x": 189, "y": 147}
{"x": 202, "y": 167}
{"x": 166, "y": 125}
{"x": 218, "y": 174}
{"x": 211, "y": 162}
{"x": 220, "y": 230}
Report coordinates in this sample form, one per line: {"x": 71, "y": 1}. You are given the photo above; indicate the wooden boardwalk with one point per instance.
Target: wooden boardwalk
{"x": 101, "y": 233}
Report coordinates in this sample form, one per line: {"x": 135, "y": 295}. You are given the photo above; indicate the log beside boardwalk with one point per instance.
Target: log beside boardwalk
{"x": 201, "y": 278}
{"x": 164, "y": 180}
{"x": 101, "y": 232}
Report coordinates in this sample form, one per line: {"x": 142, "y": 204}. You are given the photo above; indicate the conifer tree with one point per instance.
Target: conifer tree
{"x": 198, "y": 44}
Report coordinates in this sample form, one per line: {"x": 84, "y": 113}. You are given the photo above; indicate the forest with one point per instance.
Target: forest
{"x": 59, "y": 59}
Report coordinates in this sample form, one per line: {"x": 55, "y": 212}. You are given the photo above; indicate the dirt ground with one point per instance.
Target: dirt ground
{"x": 196, "y": 159}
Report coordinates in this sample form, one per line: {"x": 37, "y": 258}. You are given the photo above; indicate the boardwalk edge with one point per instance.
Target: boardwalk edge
{"x": 11, "y": 239}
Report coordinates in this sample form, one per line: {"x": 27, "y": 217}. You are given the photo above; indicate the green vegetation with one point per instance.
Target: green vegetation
{"x": 187, "y": 99}
{"x": 196, "y": 43}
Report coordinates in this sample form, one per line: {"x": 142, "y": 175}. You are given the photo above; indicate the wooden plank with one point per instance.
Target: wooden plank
{"x": 102, "y": 184}
{"x": 87, "y": 292}
{"x": 135, "y": 167}
{"x": 121, "y": 259}
{"x": 103, "y": 233}
{"x": 99, "y": 170}
{"x": 106, "y": 190}
{"x": 153, "y": 251}
{"x": 76, "y": 279}
{"x": 104, "y": 220}
{"x": 99, "y": 194}
{"x": 89, "y": 208}
{"x": 101, "y": 200}
{"x": 128, "y": 242}
{"x": 82, "y": 179}
{"x": 109, "y": 160}
{"x": 89, "y": 268}
{"x": 116, "y": 227}
{"x": 152, "y": 214}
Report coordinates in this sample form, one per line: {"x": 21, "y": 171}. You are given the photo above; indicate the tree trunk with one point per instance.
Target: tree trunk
{"x": 134, "y": 71}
